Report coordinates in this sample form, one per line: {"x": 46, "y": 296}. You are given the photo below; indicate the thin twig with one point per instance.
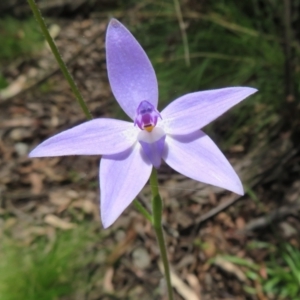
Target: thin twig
{"x": 214, "y": 211}
{"x": 272, "y": 216}
{"x": 183, "y": 32}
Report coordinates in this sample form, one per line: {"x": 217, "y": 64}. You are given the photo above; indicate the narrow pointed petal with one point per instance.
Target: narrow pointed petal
{"x": 154, "y": 151}
{"x": 193, "y": 111}
{"x": 95, "y": 137}
{"x": 153, "y": 144}
{"x": 196, "y": 156}
{"x": 130, "y": 72}
{"x": 122, "y": 176}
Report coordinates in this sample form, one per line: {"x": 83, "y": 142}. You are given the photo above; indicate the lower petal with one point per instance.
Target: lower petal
{"x": 122, "y": 176}
{"x": 153, "y": 144}
{"x": 196, "y": 156}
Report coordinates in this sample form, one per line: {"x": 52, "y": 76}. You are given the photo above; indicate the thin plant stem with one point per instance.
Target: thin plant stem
{"x": 59, "y": 59}
{"x": 157, "y": 206}
{"x": 142, "y": 210}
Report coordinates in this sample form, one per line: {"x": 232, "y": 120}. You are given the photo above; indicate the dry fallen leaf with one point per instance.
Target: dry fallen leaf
{"x": 86, "y": 205}
{"x": 10, "y": 222}
{"x": 141, "y": 258}
{"x": 59, "y": 223}
{"x": 122, "y": 247}
{"x": 193, "y": 281}
{"x": 107, "y": 280}
{"x": 225, "y": 219}
{"x": 14, "y": 88}
{"x": 36, "y": 183}
{"x": 210, "y": 248}
{"x": 182, "y": 288}
{"x": 17, "y": 122}
{"x": 229, "y": 267}
{"x": 59, "y": 198}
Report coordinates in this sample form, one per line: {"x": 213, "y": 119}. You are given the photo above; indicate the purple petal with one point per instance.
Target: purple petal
{"x": 193, "y": 111}
{"x": 122, "y": 176}
{"x": 154, "y": 151}
{"x": 196, "y": 156}
{"x": 99, "y": 136}
{"x": 153, "y": 144}
{"x": 131, "y": 75}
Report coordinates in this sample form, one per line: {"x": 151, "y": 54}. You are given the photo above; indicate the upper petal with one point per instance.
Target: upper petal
{"x": 196, "y": 156}
{"x": 122, "y": 176}
{"x": 193, "y": 111}
{"x": 130, "y": 72}
{"x": 98, "y": 136}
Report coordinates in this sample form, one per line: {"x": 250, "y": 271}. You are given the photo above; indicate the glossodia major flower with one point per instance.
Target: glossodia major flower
{"x": 130, "y": 149}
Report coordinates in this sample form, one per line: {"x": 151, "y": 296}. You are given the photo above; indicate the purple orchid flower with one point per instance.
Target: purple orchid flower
{"x": 130, "y": 150}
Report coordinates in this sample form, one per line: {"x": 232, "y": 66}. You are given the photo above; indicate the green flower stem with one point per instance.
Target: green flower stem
{"x": 59, "y": 59}
{"x": 142, "y": 210}
{"x": 157, "y": 206}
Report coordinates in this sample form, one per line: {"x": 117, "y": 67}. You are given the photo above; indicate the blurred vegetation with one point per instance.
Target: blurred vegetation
{"x": 18, "y": 38}
{"x": 284, "y": 273}
{"x": 46, "y": 269}
{"x": 278, "y": 276}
